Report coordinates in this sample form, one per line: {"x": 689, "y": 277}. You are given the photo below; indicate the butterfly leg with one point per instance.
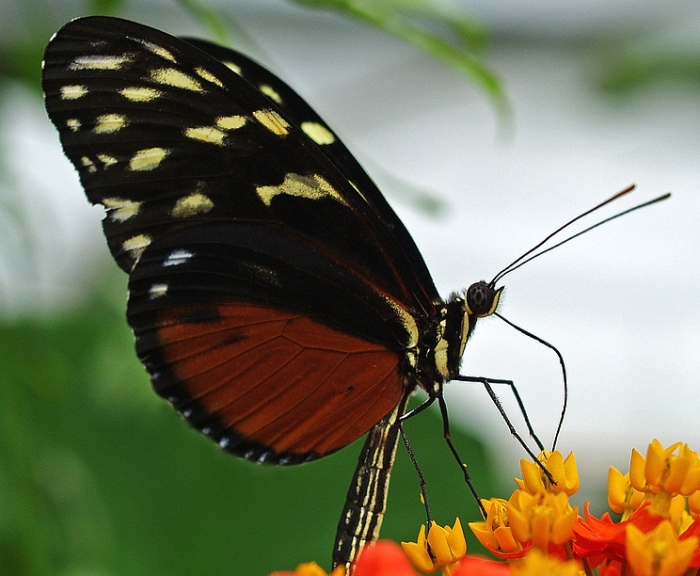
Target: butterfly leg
{"x": 448, "y": 438}
{"x": 487, "y": 382}
{"x": 421, "y": 478}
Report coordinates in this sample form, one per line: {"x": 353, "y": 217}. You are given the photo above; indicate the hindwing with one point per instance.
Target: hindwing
{"x": 232, "y": 323}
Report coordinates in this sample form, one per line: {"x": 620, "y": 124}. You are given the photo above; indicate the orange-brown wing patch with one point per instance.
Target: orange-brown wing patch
{"x": 285, "y": 383}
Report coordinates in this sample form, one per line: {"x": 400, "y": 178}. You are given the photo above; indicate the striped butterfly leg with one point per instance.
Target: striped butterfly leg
{"x": 365, "y": 503}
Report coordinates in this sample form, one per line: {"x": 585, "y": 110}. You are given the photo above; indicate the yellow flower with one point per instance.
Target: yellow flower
{"x": 537, "y": 563}
{"x": 678, "y": 513}
{"x": 494, "y": 533}
{"x": 694, "y": 503}
{"x": 441, "y": 550}
{"x": 675, "y": 470}
{"x": 622, "y": 497}
{"x": 683, "y": 521}
{"x": 563, "y": 471}
{"x": 659, "y": 552}
{"x": 541, "y": 519}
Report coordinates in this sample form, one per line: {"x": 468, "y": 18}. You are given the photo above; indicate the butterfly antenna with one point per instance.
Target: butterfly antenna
{"x": 533, "y": 253}
{"x": 528, "y": 256}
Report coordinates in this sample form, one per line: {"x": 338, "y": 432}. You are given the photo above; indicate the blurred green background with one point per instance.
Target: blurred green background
{"x": 98, "y": 476}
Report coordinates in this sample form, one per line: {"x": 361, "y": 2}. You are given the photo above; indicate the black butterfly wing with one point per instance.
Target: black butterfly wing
{"x": 192, "y": 161}
{"x": 300, "y": 113}
{"x": 228, "y": 319}
{"x": 165, "y": 135}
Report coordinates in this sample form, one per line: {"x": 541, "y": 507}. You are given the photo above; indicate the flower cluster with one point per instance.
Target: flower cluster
{"x": 657, "y": 533}
{"x": 537, "y": 531}
{"x": 659, "y": 529}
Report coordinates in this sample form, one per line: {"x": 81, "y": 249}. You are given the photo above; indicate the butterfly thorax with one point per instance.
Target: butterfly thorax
{"x": 444, "y": 336}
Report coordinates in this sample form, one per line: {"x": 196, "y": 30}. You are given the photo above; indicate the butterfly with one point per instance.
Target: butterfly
{"x": 277, "y": 301}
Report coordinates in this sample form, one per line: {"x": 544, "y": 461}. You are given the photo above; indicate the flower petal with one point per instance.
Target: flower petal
{"x": 383, "y": 558}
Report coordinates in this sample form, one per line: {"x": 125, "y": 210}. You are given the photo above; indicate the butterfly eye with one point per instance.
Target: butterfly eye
{"x": 482, "y": 299}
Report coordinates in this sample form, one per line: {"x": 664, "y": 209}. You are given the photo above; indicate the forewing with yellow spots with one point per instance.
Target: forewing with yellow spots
{"x": 266, "y": 269}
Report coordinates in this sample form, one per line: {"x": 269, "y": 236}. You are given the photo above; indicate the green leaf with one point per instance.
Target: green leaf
{"x": 22, "y": 61}
{"x": 210, "y": 18}
{"x": 631, "y": 70}
{"x": 105, "y": 6}
{"x": 415, "y": 21}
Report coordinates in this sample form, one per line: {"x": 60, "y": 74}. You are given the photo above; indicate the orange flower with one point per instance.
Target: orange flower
{"x": 478, "y": 566}
{"x": 537, "y": 563}
{"x": 312, "y": 569}
{"x": 383, "y": 558}
{"x": 603, "y": 539}
{"x": 694, "y": 504}
{"x": 538, "y": 532}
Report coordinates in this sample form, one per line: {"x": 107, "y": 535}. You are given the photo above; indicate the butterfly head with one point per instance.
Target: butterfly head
{"x": 481, "y": 299}
{"x": 458, "y": 319}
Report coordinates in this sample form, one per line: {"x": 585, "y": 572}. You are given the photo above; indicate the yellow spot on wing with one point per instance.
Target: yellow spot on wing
{"x": 318, "y": 133}
{"x": 140, "y": 93}
{"x": 312, "y": 187}
{"x": 73, "y": 91}
{"x": 357, "y": 190}
{"x": 207, "y": 134}
{"x": 100, "y": 62}
{"x": 73, "y": 124}
{"x": 272, "y": 121}
{"x": 177, "y": 257}
{"x": 136, "y": 245}
{"x": 107, "y": 160}
{"x": 208, "y": 76}
{"x": 159, "y": 51}
{"x": 271, "y": 93}
{"x": 109, "y": 123}
{"x": 120, "y": 209}
{"x": 89, "y": 164}
{"x": 230, "y": 122}
{"x": 157, "y": 291}
{"x": 195, "y": 203}
{"x": 176, "y": 78}
{"x": 147, "y": 159}
{"x": 234, "y": 67}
